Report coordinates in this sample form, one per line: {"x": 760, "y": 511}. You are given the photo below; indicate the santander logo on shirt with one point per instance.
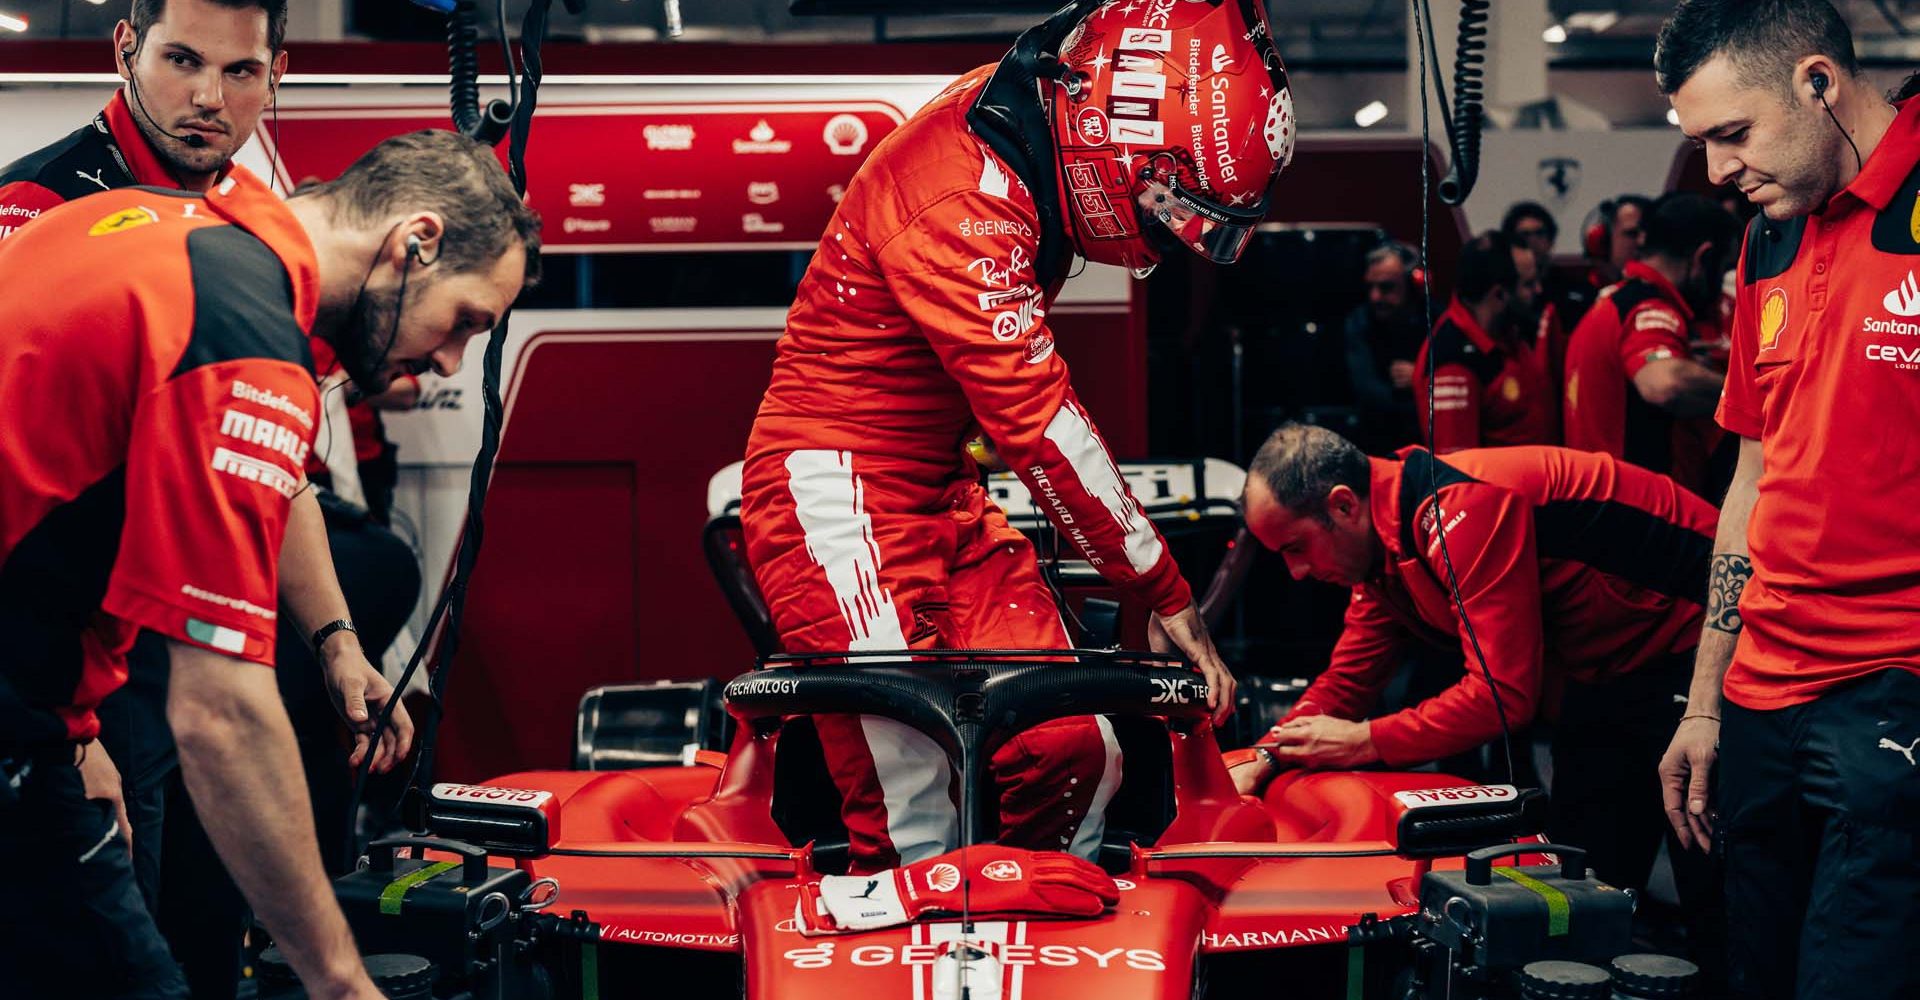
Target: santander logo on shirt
{"x": 1904, "y": 300}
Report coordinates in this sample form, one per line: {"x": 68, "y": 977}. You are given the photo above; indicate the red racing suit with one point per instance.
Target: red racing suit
{"x": 151, "y": 488}
{"x": 1568, "y": 561}
{"x": 919, "y": 323}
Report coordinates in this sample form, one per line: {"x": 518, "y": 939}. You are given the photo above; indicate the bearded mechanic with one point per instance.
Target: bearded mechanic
{"x": 1808, "y": 680}
{"x": 1576, "y": 570}
{"x": 921, "y": 321}
{"x": 206, "y": 69}
{"x": 157, "y": 496}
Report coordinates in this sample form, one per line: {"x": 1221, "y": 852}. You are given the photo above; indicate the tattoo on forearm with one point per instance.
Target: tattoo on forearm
{"x": 1724, "y": 585}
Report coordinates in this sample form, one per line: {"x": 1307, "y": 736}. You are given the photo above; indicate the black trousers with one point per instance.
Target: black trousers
{"x": 182, "y": 882}
{"x": 1820, "y": 820}
{"x": 1606, "y": 792}
{"x": 72, "y": 923}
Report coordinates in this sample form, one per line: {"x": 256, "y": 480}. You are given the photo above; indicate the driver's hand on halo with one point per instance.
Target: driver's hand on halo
{"x": 1186, "y": 632}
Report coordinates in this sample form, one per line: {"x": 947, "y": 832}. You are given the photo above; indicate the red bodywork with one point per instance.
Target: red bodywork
{"x": 1316, "y": 855}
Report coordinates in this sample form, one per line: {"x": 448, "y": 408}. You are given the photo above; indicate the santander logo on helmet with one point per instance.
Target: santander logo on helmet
{"x": 1171, "y": 119}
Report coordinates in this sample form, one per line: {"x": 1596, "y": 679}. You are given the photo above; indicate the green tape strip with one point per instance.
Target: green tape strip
{"x": 1558, "y": 911}
{"x": 589, "y": 971}
{"x": 396, "y": 891}
{"x": 1356, "y": 972}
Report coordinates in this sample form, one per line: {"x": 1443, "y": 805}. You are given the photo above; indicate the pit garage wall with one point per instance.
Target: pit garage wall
{"x": 592, "y": 571}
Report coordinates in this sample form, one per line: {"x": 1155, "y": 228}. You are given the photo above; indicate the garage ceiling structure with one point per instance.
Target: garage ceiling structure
{"x": 1326, "y": 33}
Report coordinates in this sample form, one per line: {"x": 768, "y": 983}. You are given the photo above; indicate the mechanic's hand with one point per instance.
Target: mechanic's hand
{"x": 1322, "y": 741}
{"x": 1251, "y": 771}
{"x": 101, "y": 779}
{"x": 1684, "y": 774}
{"x": 360, "y": 692}
{"x": 1401, "y": 374}
{"x": 1186, "y": 631}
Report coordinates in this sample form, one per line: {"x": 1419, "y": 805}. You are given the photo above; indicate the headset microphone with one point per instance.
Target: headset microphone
{"x": 193, "y": 140}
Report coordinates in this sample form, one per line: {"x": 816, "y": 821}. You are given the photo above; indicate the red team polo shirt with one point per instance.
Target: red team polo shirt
{"x": 1825, "y": 372}
{"x": 1640, "y": 320}
{"x": 156, "y": 406}
{"x": 1486, "y": 392}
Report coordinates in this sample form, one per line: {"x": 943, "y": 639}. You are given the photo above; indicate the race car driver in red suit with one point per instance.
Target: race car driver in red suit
{"x": 1108, "y": 132}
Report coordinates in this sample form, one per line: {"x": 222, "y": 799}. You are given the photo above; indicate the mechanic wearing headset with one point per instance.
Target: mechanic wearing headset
{"x": 1577, "y": 571}
{"x": 1490, "y": 387}
{"x": 155, "y": 495}
{"x": 921, "y": 322}
{"x": 1809, "y": 659}
{"x": 1634, "y": 388}
{"x": 199, "y": 75}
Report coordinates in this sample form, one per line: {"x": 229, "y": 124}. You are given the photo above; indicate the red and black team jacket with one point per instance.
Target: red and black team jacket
{"x": 1569, "y": 562}
{"x": 103, "y": 155}
{"x": 1638, "y": 321}
{"x": 156, "y": 406}
{"x": 1486, "y": 391}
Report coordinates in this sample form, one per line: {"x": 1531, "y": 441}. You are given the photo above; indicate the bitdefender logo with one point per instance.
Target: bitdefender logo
{"x": 1904, "y": 300}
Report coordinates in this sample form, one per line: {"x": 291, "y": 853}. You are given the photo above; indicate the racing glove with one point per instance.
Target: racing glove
{"x": 1004, "y": 880}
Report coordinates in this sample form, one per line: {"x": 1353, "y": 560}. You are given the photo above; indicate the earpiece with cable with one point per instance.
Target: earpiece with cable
{"x": 1820, "y": 84}
{"x": 192, "y": 139}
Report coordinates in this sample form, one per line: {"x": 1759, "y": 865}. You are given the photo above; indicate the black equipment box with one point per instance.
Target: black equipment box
{"x": 452, "y": 913}
{"x": 1503, "y": 918}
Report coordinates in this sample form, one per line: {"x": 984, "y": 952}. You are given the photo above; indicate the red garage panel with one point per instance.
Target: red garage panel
{"x": 592, "y": 571}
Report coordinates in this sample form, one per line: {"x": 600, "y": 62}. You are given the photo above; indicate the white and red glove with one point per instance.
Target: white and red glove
{"x": 1004, "y": 880}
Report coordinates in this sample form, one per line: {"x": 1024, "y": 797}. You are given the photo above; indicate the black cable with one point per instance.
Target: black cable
{"x": 1426, "y": 293}
{"x": 442, "y": 632}
{"x": 1464, "y": 124}
{"x": 1859, "y": 162}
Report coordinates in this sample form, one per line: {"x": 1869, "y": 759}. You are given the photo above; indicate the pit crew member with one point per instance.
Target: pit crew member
{"x": 922, "y": 321}
{"x": 1577, "y": 570}
{"x": 1489, "y": 384}
{"x": 155, "y": 493}
{"x": 199, "y": 74}
{"x": 1809, "y": 657}
{"x": 1635, "y": 390}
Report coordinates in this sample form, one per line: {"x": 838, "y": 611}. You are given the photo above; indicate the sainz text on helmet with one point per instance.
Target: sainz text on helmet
{"x": 1174, "y": 115}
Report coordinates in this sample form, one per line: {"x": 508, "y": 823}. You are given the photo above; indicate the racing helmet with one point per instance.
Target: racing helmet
{"x": 1182, "y": 102}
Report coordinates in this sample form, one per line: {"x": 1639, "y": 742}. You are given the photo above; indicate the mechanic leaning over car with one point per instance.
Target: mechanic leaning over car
{"x": 173, "y": 326}
{"x": 199, "y": 75}
{"x": 921, "y": 322}
{"x": 1577, "y": 570}
{"x": 1806, "y": 690}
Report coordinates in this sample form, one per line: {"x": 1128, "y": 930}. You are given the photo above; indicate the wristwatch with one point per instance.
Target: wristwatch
{"x": 326, "y": 632}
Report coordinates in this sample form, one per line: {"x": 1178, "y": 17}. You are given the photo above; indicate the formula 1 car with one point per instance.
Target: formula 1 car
{"x": 1332, "y": 885}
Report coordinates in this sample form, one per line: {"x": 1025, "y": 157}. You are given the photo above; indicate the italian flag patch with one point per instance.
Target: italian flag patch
{"x": 218, "y": 636}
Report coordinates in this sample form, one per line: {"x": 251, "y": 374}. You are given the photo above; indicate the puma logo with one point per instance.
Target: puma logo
{"x": 94, "y": 177}
{"x": 1904, "y": 751}
{"x": 874, "y": 883}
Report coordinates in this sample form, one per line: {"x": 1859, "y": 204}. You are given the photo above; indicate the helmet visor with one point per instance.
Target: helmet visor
{"x": 1219, "y": 233}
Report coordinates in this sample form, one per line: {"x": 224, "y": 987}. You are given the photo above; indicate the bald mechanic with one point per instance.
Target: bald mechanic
{"x": 157, "y": 495}
{"x": 1808, "y": 680}
{"x": 1576, "y": 569}
{"x": 922, "y": 322}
